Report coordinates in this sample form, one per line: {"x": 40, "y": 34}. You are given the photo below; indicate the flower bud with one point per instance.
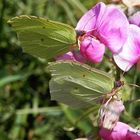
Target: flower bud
{"x": 110, "y": 113}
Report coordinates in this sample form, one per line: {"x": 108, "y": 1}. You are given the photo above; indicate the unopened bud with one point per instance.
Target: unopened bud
{"x": 110, "y": 113}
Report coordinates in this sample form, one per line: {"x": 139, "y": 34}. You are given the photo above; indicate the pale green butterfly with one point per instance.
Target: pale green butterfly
{"x": 42, "y": 37}
{"x": 78, "y": 85}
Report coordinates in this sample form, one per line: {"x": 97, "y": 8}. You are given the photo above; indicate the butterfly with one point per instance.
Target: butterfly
{"x": 78, "y": 85}
{"x": 42, "y": 37}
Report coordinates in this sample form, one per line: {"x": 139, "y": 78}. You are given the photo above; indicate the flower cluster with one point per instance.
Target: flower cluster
{"x": 108, "y": 27}
{"x": 102, "y": 30}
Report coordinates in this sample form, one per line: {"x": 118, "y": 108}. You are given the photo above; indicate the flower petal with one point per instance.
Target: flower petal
{"x": 92, "y": 49}
{"x": 135, "y": 19}
{"x": 89, "y": 19}
{"x": 130, "y": 53}
{"x": 133, "y": 134}
{"x": 121, "y": 131}
{"x": 74, "y": 55}
{"x": 109, "y": 114}
{"x": 122, "y": 63}
{"x": 118, "y": 133}
{"x": 78, "y": 57}
{"x": 66, "y": 56}
{"x": 113, "y": 28}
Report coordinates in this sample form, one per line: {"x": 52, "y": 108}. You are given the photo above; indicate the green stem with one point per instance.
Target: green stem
{"x": 133, "y": 96}
{"x": 117, "y": 82}
{"x": 1, "y": 17}
{"x": 118, "y": 71}
{"x": 118, "y": 74}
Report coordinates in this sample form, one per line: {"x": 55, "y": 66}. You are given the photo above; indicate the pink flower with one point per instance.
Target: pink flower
{"x": 103, "y": 26}
{"x": 109, "y": 114}
{"x": 121, "y": 131}
{"x": 66, "y": 56}
{"x": 73, "y": 55}
{"x": 130, "y": 53}
{"x": 135, "y": 19}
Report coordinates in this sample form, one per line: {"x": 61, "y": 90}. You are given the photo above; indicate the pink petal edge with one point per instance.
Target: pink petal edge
{"x": 89, "y": 20}
{"x": 130, "y": 53}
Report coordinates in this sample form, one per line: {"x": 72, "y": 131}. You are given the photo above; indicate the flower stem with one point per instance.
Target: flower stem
{"x": 118, "y": 74}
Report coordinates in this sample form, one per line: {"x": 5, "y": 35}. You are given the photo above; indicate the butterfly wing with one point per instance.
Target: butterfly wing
{"x": 42, "y": 37}
{"x": 78, "y": 85}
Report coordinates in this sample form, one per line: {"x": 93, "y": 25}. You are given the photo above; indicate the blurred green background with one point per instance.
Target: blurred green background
{"x": 26, "y": 112}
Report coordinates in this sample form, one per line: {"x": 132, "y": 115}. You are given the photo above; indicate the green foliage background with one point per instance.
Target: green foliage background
{"x": 26, "y": 112}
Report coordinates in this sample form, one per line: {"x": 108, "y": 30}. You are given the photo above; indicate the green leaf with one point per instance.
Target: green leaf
{"x": 42, "y": 37}
{"x": 78, "y": 85}
{"x": 3, "y": 135}
{"x": 73, "y": 115}
{"x": 11, "y": 78}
